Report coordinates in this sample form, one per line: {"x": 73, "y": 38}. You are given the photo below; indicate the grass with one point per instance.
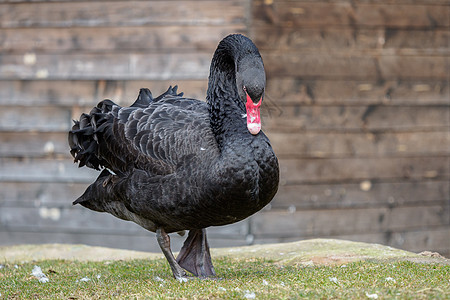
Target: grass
{"x": 238, "y": 279}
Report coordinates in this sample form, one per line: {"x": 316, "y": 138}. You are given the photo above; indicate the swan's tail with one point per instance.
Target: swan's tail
{"x": 83, "y": 140}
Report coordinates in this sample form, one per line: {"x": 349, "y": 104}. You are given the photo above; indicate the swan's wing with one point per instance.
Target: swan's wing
{"x": 156, "y": 139}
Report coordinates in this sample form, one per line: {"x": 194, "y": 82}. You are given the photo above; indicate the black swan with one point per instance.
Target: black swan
{"x": 172, "y": 164}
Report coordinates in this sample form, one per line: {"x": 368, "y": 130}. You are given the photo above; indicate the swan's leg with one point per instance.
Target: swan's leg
{"x": 164, "y": 242}
{"x": 194, "y": 256}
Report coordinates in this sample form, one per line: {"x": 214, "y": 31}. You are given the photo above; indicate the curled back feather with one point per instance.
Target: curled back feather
{"x": 153, "y": 134}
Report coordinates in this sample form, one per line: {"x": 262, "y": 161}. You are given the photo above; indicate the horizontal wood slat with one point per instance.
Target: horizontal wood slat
{"x": 357, "y": 67}
{"x": 332, "y": 118}
{"x": 195, "y": 38}
{"x": 150, "y": 66}
{"x": 35, "y": 119}
{"x": 297, "y": 90}
{"x": 114, "y": 39}
{"x": 89, "y": 92}
{"x": 44, "y": 170}
{"x": 360, "y": 144}
{"x": 279, "y": 92}
{"x": 349, "y": 221}
{"x": 128, "y": 13}
{"x": 293, "y": 171}
{"x": 301, "y": 14}
{"x": 363, "y": 194}
{"x": 296, "y": 171}
{"x": 407, "y": 42}
{"x": 40, "y": 194}
{"x": 144, "y": 242}
{"x": 175, "y": 66}
{"x": 69, "y": 218}
{"x": 301, "y": 145}
{"x": 409, "y": 2}
{"x": 289, "y": 119}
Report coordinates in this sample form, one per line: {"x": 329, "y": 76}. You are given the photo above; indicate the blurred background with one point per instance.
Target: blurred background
{"x": 356, "y": 107}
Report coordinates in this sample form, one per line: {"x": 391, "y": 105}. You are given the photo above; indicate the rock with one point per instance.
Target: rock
{"x": 304, "y": 253}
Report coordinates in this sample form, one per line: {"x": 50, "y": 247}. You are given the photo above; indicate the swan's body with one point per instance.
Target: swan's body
{"x": 174, "y": 164}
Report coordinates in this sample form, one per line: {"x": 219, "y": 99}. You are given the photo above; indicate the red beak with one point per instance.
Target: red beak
{"x": 253, "y": 115}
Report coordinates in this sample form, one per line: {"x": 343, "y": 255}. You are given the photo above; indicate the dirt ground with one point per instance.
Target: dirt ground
{"x": 307, "y": 252}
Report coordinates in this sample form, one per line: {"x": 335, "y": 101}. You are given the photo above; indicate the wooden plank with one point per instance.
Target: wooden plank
{"x": 364, "y": 194}
{"x": 149, "y": 66}
{"x": 282, "y": 91}
{"x": 146, "y": 242}
{"x": 301, "y": 145}
{"x": 35, "y": 119}
{"x": 34, "y": 144}
{"x": 44, "y": 170}
{"x": 194, "y": 38}
{"x": 279, "y": 92}
{"x": 424, "y": 240}
{"x": 355, "y": 66}
{"x": 74, "y": 224}
{"x": 289, "y": 197}
{"x": 120, "y": 241}
{"x": 115, "y": 13}
{"x": 293, "y": 171}
{"x": 273, "y": 38}
{"x": 432, "y": 38}
{"x": 319, "y": 65}
{"x": 371, "y": 118}
{"x": 89, "y": 92}
{"x": 414, "y": 67}
{"x": 302, "y": 14}
{"x": 40, "y": 194}
{"x": 411, "y": 2}
{"x": 381, "y": 144}
{"x": 114, "y": 39}
{"x": 65, "y": 219}
{"x": 78, "y": 219}
{"x": 177, "y": 66}
{"x": 328, "y": 170}
{"x": 291, "y": 118}
{"x": 328, "y": 222}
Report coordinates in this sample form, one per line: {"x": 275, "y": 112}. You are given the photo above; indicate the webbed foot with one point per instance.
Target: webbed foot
{"x": 194, "y": 256}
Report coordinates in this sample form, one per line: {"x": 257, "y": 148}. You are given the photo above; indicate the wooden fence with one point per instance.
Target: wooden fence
{"x": 356, "y": 107}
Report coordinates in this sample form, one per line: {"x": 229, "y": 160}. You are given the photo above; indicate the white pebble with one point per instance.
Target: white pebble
{"x": 37, "y": 272}
{"x": 249, "y": 295}
{"x": 371, "y": 296}
{"x": 333, "y": 279}
{"x": 43, "y": 280}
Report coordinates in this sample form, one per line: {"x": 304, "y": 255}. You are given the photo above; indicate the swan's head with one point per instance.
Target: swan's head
{"x": 251, "y": 82}
{"x": 238, "y": 58}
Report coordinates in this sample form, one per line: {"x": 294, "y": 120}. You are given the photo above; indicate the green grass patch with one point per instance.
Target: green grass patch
{"x": 238, "y": 279}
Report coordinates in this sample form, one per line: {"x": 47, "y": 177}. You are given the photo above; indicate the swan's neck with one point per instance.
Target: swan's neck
{"x": 226, "y": 110}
